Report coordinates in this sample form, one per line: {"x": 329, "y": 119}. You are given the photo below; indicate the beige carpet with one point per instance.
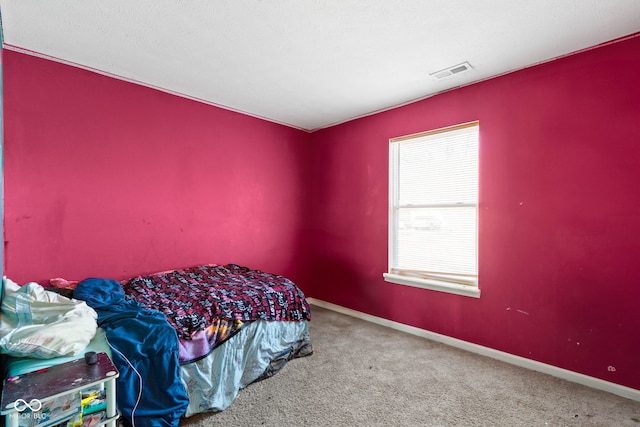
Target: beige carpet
{"x": 362, "y": 374}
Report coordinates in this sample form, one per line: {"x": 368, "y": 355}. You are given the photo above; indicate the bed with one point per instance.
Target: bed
{"x": 186, "y": 341}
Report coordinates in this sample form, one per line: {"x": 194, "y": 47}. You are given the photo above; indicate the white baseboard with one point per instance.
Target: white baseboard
{"x": 522, "y": 362}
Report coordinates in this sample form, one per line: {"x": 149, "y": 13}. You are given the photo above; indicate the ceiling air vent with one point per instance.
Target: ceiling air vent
{"x": 456, "y": 69}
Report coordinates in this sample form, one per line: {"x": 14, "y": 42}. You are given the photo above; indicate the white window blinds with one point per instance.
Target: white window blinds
{"x": 433, "y": 205}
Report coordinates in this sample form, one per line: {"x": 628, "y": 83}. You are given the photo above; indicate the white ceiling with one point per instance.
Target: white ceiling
{"x": 309, "y": 63}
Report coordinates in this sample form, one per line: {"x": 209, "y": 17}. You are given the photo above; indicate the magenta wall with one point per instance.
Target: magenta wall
{"x": 559, "y": 216}
{"x": 110, "y": 179}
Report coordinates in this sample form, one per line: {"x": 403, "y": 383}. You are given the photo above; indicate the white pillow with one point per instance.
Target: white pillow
{"x": 40, "y": 324}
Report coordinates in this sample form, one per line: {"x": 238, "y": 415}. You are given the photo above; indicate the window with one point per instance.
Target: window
{"x": 433, "y": 210}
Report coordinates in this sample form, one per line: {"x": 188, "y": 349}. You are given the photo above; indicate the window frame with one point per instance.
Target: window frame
{"x": 460, "y": 284}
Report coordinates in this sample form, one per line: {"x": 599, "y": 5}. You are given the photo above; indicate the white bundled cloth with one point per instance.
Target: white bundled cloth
{"x": 40, "y": 324}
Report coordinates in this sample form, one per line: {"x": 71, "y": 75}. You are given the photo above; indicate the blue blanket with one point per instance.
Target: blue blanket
{"x": 145, "y": 351}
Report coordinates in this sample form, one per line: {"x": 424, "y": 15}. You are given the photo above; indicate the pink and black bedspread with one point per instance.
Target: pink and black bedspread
{"x": 208, "y": 304}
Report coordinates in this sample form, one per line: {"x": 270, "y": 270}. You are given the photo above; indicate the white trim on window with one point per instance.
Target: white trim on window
{"x": 469, "y": 290}
{"x": 433, "y": 210}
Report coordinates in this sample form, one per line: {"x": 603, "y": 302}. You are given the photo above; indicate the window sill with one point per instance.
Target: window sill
{"x": 434, "y": 285}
